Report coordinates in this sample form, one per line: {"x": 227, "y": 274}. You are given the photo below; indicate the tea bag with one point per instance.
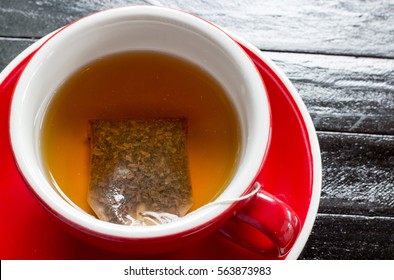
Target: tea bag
{"x": 139, "y": 171}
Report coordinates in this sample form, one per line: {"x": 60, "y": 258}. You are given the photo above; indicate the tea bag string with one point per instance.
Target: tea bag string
{"x": 158, "y": 218}
{"x": 257, "y": 187}
{"x": 164, "y": 218}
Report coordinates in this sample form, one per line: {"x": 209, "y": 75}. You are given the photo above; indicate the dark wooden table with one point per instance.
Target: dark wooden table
{"x": 340, "y": 57}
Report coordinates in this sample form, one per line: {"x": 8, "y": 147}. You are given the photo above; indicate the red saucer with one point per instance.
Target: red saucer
{"x": 29, "y": 232}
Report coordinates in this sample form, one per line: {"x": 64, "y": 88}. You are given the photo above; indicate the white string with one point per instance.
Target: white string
{"x": 158, "y": 218}
{"x": 164, "y": 218}
{"x": 161, "y": 217}
{"x": 256, "y": 186}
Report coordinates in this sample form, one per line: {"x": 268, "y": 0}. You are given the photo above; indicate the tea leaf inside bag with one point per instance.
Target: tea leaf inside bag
{"x": 138, "y": 166}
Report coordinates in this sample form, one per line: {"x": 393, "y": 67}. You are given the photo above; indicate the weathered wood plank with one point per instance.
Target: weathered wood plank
{"x": 343, "y": 93}
{"x": 10, "y": 48}
{"x": 358, "y": 176}
{"x": 340, "y": 237}
{"x": 338, "y": 27}
{"x": 20, "y": 18}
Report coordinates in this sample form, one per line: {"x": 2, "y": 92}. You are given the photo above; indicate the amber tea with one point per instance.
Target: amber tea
{"x": 136, "y": 86}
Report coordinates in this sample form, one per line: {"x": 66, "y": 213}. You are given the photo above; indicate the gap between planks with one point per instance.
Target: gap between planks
{"x": 365, "y": 134}
{"x": 356, "y": 216}
{"x": 20, "y": 38}
{"x": 376, "y": 56}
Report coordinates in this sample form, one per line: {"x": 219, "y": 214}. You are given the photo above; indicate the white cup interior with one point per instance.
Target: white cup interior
{"x": 127, "y": 29}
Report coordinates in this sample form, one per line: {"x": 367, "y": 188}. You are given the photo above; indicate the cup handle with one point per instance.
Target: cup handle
{"x": 265, "y": 225}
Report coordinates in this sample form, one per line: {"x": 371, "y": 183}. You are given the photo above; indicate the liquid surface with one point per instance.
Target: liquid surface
{"x": 141, "y": 85}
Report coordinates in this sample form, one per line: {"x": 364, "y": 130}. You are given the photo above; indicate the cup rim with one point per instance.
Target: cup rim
{"x": 72, "y": 216}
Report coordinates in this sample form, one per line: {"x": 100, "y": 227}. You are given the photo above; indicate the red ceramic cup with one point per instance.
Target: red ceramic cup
{"x": 177, "y": 33}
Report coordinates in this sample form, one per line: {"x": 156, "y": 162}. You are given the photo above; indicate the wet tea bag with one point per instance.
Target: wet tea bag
{"x": 139, "y": 171}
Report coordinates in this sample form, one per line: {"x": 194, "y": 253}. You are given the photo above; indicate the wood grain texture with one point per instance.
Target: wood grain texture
{"x": 36, "y": 18}
{"x": 343, "y": 93}
{"x": 358, "y": 175}
{"x": 362, "y": 27}
{"x": 346, "y": 237}
{"x": 10, "y": 48}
